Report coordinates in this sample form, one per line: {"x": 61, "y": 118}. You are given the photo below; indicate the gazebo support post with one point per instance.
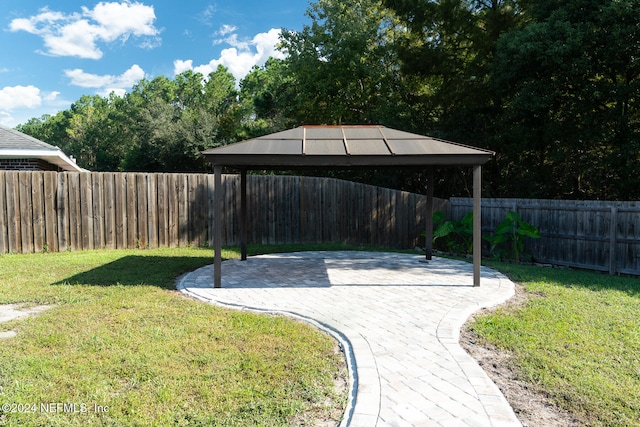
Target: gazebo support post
{"x": 243, "y": 214}
{"x": 477, "y": 223}
{"x": 428, "y": 248}
{"x": 217, "y": 231}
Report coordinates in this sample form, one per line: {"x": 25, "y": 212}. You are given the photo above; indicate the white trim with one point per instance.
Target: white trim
{"x": 56, "y": 157}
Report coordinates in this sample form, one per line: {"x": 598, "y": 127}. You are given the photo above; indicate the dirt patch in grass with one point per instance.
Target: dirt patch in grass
{"x": 334, "y": 406}
{"x": 18, "y": 311}
{"x": 531, "y": 405}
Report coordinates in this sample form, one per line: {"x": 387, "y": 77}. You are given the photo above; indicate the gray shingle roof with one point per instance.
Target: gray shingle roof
{"x": 17, "y": 145}
{"x": 10, "y": 138}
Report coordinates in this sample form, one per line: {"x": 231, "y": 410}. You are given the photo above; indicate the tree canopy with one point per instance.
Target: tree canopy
{"x": 553, "y": 87}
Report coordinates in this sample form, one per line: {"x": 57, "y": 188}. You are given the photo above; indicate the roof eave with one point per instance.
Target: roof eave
{"x": 266, "y": 161}
{"x": 55, "y": 157}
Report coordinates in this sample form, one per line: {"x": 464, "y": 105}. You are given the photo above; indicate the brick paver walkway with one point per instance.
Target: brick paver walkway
{"x": 398, "y": 318}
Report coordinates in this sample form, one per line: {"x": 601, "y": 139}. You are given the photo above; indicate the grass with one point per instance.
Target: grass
{"x": 576, "y": 339}
{"x": 126, "y": 349}
{"x": 120, "y": 338}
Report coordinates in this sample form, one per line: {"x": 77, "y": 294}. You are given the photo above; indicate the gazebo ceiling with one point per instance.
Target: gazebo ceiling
{"x": 345, "y": 146}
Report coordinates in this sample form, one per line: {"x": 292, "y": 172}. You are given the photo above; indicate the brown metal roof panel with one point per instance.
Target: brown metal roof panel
{"x": 261, "y": 146}
{"x": 322, "y": 132}
{"x": 295, "y": 133}
{"x": 399, "y": 134}
{"x": 368, "y": 147}
{"x": 332, "y": 147}
{"x": 361, "y": 132}
{"x": 417, "y": 147}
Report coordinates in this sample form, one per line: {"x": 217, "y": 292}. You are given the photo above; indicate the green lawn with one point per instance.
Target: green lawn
{"x": 121, "y": 340}
{"x": 121, "y": 347}
{"x": 577, "y": 339}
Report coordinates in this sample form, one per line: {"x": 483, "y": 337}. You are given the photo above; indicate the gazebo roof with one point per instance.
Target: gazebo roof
{"x": 364, "y": 146}
{"x": 345, "y": 146}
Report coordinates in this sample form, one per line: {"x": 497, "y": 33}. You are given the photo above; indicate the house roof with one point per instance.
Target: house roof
{"x": 345, "y": 146}
{"x": 17, "y": 145}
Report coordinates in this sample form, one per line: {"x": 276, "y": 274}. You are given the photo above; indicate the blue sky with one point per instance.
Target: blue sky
{"x": 54, "y": 52}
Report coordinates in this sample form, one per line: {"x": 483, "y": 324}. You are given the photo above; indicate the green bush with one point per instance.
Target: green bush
{"x": 508, "y": 239}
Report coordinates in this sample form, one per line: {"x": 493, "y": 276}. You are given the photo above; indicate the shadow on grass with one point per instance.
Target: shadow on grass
{"x": 138, "y": 270}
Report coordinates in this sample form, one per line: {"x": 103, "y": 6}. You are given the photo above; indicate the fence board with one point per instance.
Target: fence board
{"x": 142, "y": 210}
{"x": 120, "y": 189}
{"x": 62, "y": 205}
{"x": 152, "y": 212}
{"x": 97, "y": 199}
{"x": 50, "y": 214}
{"x": 183, "y": 210}
{"x": 13, "y": 212}
{"x": 4, "y": 244}
{"x": 210, "y": 208}
{"x": 172, "y": 196}
{"x": 163, "y": 210}
{"x": 26, "y": 212}
{"x": 75, "y": 213}
{"x": 86, "y": 211}
{"x": 132, "y": 211}
{"x": 110, "y": 230}
{"x": 202, "y": 228}
{"x": 37, "y": 206}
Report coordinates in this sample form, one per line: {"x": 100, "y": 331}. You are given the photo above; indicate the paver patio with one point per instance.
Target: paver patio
{"x": 398, "y": 319}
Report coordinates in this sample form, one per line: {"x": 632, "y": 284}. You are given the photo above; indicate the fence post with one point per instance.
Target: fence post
{"x": 613, "y": 237}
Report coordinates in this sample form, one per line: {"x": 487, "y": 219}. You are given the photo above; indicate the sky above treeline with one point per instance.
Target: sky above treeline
{"x": 55, "y": 52}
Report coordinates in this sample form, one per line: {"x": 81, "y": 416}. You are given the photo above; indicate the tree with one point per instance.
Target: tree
{"x": 570, "y": 80}
{"x": 342, "y": 66}
{"x": 174, "y": 120}
{"x": 268, "y": 96}
{"x": 94, "y": 132}
{"x": 446, "y": 55}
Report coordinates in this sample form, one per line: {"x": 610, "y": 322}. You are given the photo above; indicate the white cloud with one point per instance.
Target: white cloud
{"x": 241, "y": 57}
{"x": 106, "y": 83}
{"x": 79, "y": 78}
{"x": 77, "y": 34}
{"x": 180, "y": 66}
{"x": 6, "y": 119}
{"x": 51, "y": 96}
{"x": 15, "y": 97}
{"x": 233, "y": 40}
{"x": 18, "y": 104}
{"x": 227, "y": 29}
{"x": 207, "y": 15}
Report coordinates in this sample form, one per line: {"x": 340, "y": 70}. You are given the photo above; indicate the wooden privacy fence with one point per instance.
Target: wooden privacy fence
{"x": 595, "y": 235}
{"x": 49, "y": 211}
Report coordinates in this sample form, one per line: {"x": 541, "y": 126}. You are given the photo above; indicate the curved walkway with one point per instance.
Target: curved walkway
{"x": 398, "y": 319}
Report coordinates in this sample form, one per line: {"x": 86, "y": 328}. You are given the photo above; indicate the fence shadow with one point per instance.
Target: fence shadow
{"x": 137, "y": 270}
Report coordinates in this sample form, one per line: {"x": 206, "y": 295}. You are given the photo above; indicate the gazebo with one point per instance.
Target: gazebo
{"x": 348, "y": 147}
